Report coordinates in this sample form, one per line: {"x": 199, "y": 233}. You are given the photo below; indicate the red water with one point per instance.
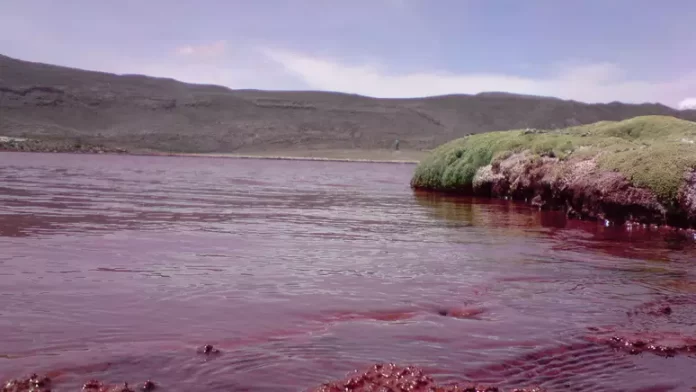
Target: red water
{"x": 118, "y": 268}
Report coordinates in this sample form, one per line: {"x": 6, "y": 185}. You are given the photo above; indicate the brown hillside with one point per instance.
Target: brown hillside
{"x": 134, "y": 111}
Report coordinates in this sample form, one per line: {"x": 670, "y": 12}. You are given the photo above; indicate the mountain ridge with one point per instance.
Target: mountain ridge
{"x": 45, "y": 101}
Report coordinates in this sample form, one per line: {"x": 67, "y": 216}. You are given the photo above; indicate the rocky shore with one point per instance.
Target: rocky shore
{"x": 391, "y": 377}
{"x": 380, "y": 377}
{"x": 72, "y": 146}
{"x": 636, "y": 172}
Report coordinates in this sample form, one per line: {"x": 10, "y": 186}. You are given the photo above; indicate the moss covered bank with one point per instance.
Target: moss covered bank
{"x": 638, "y": 170}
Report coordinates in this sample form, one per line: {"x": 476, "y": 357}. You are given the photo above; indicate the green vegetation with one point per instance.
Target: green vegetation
{"x": 651, "y": 151}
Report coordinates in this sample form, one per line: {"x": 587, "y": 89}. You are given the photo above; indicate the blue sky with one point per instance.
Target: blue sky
{"x": 590, "y": 50}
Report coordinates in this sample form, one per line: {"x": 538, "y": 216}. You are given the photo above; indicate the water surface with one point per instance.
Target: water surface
{"x": 118, "y": 267}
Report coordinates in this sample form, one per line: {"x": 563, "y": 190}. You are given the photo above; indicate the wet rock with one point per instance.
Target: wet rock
{"x": 538, "y": 201}
{"x": 572, "y": 214}
{"x": 637, "y": 345}
{"x": 92, "y": 385}
{"x": 33, "y": 383}
{"x": 687, "y": 196}
{"x": 208, "y": 349}
{"x": 668, "y": 306}
{"x": 43, "y": 384}
{"x": 393, "y": 378}
{"x": 122, "y": 388}
{"x": 461, "y": 313}
{"x": 98, "y": 386}
{"x": 380, "y": 377}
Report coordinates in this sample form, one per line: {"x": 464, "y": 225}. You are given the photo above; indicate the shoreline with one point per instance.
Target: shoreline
{"x": 629, "y": 225}
{"x": 280, "y": 157}
{"x": 639, "y": 170}
{"x": 327, "y": 155}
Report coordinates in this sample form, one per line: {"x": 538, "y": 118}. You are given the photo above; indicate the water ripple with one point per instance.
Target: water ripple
{"x": 117, "y": 267}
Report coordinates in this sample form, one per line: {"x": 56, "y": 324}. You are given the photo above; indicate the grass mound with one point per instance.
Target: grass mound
{"x": 652, "y": 152}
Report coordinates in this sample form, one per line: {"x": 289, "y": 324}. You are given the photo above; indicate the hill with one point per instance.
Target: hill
{"x": 134, "y": 111}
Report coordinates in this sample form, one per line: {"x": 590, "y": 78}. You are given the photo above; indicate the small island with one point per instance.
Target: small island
{"x": 636, "y": 171}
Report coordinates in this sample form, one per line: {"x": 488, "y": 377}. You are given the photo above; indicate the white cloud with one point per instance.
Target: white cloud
{"x": 688, "y": 103}
{"x": 236, "y": 69}
{"x": 601, "y": 82}
{"x": 212, "y": 49}
{"x": 241, "y": 67}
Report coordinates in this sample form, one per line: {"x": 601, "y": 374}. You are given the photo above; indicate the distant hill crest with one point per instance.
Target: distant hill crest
{"x": 137, "y": 111}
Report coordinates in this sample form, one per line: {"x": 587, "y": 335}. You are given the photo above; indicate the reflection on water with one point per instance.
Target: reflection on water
{"x": 521, "y": 219}
{"x": 492, "y": 213}
{"x": 119, "y": 267}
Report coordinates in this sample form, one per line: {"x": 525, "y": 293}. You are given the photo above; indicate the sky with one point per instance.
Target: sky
{"x": 590, "y": 50}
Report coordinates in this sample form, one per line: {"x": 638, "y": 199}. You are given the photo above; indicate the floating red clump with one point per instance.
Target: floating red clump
{"x": 33, "y": 383}
{"x": 394, "y": 378}
{"x": 391, "y": 378}
{"x": 208, "y": 349}
{"x": 638, "y": 346}
{"x": 148, "y": 386}
{"x": 98, "y": 386}
{"x": 462, "y": 313}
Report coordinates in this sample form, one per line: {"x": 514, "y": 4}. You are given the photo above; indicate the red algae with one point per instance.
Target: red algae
{"x": 402, "y": 315}
{"x": 375, "y": 315}
{"x": 664, "y": 344}
{"x": 646, "y": 343}
{"x": 208, "y": 349}
{"x": 36, "y": 383}
{"x": 639, "y": 335}
{"x": 116, "y": 273}
{"x": 98, "y": 386}
{"x": 462, "y": 313}
{"x": 667, "y": 306}
{"x": 394, "y": 378}
{"x": 380, "y": 377}
{"x": 33, "y": 383}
